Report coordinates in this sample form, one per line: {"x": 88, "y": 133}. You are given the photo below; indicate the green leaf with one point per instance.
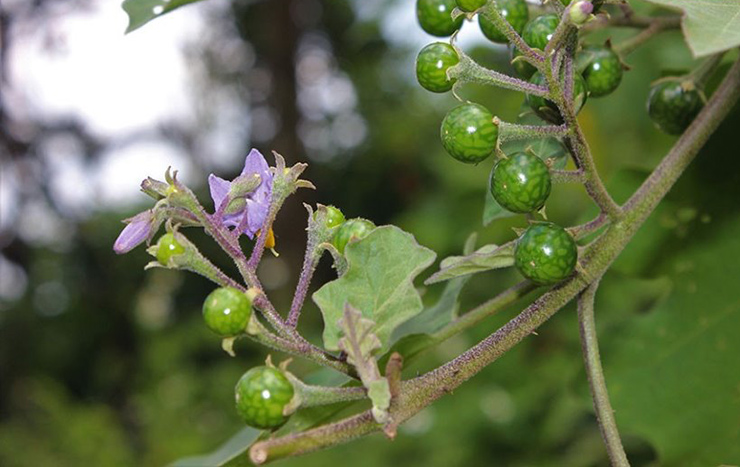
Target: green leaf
{"x": 673, "y": 373}
{"x": 228, "y": 452}
{"x": 141, "y": 12}
{"x": 709, "y": 26}
{"x": 378, "y": 282}
{"x": 484, "y": 259}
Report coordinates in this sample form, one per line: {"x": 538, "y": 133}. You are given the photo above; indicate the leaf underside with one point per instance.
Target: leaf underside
{"x": 141, "y": 12}
{"x": 709, "y": 26}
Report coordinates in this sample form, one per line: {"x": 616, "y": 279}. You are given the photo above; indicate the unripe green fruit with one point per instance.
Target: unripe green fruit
{"x": 468, "y": 133}
{"x": 521, "y": 183}
{"x": 546, "y": 109}
{"x": 432, "y": 64}
{"x": 601, "y": 69}
{"x": 546, "y": 253}
{"x": 673, "y": 105}
{"x": 351, "y": 231}
{"x": 524, "y": 69}
{"x": 167, "y": 247}
{"x": 334, "y": 217}
{"x": 515, "y": 12}
{"x": 435, "y": 17}
{"x": 262, "y": 394}
{"x": 470, "y": 5}
{"x": 538, "y": 32}
{"x": 226, "y": 311}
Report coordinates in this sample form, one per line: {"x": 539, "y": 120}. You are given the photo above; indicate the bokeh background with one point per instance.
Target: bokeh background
{"x": 104, "y": 364}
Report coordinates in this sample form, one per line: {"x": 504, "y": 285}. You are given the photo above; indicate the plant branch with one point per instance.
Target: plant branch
{"x": 515, "y": 132}
{"x": 491, "y": 12}
{"x": 419, "y": 392}
{"x": 597, "y": 383}
{"x": 468, "y": 71}
{"x": 566, "y": 176}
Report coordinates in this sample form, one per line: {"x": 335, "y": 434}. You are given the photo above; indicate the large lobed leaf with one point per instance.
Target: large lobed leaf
{"x": 378, "y": 282}
{"x": 673, "y": 373}
{"x": 710, "y": 26}
{"x": 141, "y": 12}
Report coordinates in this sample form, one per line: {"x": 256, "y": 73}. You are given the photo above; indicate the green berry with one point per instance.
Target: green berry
{"x": 432, "y": 64}
{"x": 468, "y": 133}
{"x": 435, "y": 17}
{"x": 538, "y": 32}
{"x": 226, "y": 311}
{"x": 673, "y": 105}
{"x": 523, "y": 68}
{"x": 334, "y": 217}
{"x": 261, "y": 396}
{"x": 514, "y": 11}
{"x": 167, "y": 247}
{"x": 351, "y": 231}
{"x": 470, "y": 5}
{"x": 521, "y": 183}
{"x": 546, "y": 253}
{"x": 546, "y": 109}
{"x": 601, "y": 68}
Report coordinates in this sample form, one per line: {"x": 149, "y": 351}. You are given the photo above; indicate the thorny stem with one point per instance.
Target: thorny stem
{"x": 421, "y": 391}
{"x": 310, "y": 261}
{"x": 468, "y": 71}
{"x": 576, "y": 140}
{"x": 515, "y": 132}
{"x": 566, "y": 176}
{"x": 599, "y": 393}
{"x": 301, "y": 349}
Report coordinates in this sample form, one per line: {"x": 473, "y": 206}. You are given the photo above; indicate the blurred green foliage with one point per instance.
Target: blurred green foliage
{"x": 126, "y": 374}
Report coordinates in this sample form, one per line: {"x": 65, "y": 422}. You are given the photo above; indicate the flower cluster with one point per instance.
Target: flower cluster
{"x": 241, "y": 204}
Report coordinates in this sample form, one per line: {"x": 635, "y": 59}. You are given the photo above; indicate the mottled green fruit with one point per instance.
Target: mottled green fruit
{"x": 545, "y": 253}
{"x": 470, "y": 5}
{"x": 546, "y": 109}
{"x": 167, "y": 247}
{"x": 673, "y": 105}
{"x": 261, "y": 396}
{"x": 432, "y": 64}
{"x": 226, "y": 311}
{"x": 601, "y": 68}
{"x": 514, "y": 11}
{"x": 468, "y": 133}
{"x": 521, "y": 183}
{"x": 351, "y": 231}
{"x": 523, "y": 68}
{"x": 435, "y": 17}
{"x": 538, "y": 32}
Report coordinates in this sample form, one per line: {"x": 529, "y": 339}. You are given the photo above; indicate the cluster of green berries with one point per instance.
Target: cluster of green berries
{"x": 346, "y": 231}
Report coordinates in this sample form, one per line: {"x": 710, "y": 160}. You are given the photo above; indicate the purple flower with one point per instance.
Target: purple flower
{"x": 246, "y": 212}
{"x": 138, "y": 229}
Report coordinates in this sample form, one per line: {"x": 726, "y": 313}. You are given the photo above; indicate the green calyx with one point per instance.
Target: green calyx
{"x": 546, "y": 109}
{"x": 673, "y": 104}
{"x": 521, "y": 183}
{"x": 546, "y": 253}
{"x": 435, "y": 17}
{"x": 262, "y": 394}
{"x": 468, "y": 133}
{"x": 226, "y": 311}
{"x": 515, "y": 12}
{"x": 432, "y": 64}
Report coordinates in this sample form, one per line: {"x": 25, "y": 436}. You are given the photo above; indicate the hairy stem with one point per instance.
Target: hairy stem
{"x": 532, "y": 56}
{"x": 419, "y": 392}
{"x": 468, "y": 71}
{"x": 592, "y": 361}
{"x": 515, "y": 132}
